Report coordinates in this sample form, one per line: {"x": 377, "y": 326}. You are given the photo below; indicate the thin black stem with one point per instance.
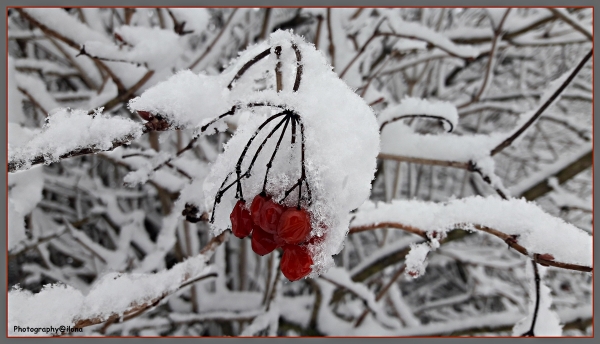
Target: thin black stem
{"x": 224, "y": 188}
{"x": 228, "y": 113}
{"x": 247, "y": 65}
{"x": 536, "y": 273}
{"x": 270, "y": 163}
{"x": 247, "y": 174}
{"x": 238, "y": 166}
{"x": 394, "y": 119}
{"x": 298, "y": 67}
{"x": 302, "y": 178}
{"x": 293, "y": 131}
{"x": 278, "y": 80}
{"x": 218, "y": 198}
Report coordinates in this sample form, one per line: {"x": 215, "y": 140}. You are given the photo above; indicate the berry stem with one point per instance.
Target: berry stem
{"x": 298, "y": 67}
{"x": 238, "y": 166}
{"x": 287, "y": 121}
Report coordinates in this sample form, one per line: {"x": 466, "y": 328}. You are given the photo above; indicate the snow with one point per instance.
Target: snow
{"x": 334, "y": 119}
{"x": 549, "y": 170}
{"x": 36, "y": 88}
{"x": 537, "y": 231}
{"x": 574, "y": 21}
{"x": 399, "y": 139}
{"x": 159, "y": 48}
{"x": 59, "y": 20}
{"x": 16, "y": 226}
{"x": 45, "y": 66}
{"x": 415, "y": 259}
{"x": 185, "y": 100}
{"x": 69, "y": 130}
{"x": 112, "y": 294}
{"x": 13, "y": 96}
{"x": 496, "y": 15}
{"x": 196, "y": 19}
{"x": 418, "y": 31}
{"x": 341, "y": 277}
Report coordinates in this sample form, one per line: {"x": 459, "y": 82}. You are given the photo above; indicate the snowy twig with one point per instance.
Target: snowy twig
{"x": 15, "y": 165}
{"x": 136, "y": 309}
{"x": 33, "y": 100}
{"x": 48, "y": 31}
{"x": 487, "y": 80}
{"x": 510, "y": 240}
{"x": 562, "y": 14}
{"x": 129, "y": 92}
{"x": 543, "y": 107}
{"x": 382, "y": 292}
{"x": 214, "y": 41}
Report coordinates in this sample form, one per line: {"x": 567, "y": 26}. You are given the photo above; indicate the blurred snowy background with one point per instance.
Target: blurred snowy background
{"x": 471, "y": 102}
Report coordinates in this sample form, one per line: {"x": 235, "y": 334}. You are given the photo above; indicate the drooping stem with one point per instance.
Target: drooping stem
{"x": 218, "y": 197}
{"x": 298, "y": 67}
{"x": 302, "y": 178}
{"x": 536, "y": 274}
{"x": 247, "y": 65}
{"x": 223, "y": 189}
{"x": 238, "y": 166}
{"x": 270, "y": 163}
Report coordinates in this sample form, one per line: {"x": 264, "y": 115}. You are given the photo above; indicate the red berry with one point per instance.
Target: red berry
{"x": 262, "y": 242}
{"x": 294, "y": 226}
{"x": 146, "y": 115}
{"x": 256, "y": 206}
{"x": 241, "y": 221}
{"x": 295, "y": 262}
{"x": 270, "y": 212}
{"x": 316, "y": 240}
{"x": 279, "y": 240}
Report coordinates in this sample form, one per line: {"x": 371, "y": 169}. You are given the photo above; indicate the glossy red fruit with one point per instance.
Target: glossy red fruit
{"x": 146, "y": 115}
{"x": 256, "y": 206}
{"x": 279, "y": 240}
{"x": 270, "y": 212}
{"x": 294, "y": 226}
{"x": 262, "y": 242}
{"x": 296, "y": 262}
{"x": 241, "y": 221}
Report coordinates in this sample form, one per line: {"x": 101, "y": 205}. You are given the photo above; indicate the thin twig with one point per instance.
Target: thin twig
{"x": 574, "y": 25}
{"x": 489, "y": 69}
{"x": 536, "y": 279}
{"x": 382, "y": 293}
{"x": 397, "y": 118}
{"x": 331, "y": 47}
{"x": 543, "y": 107}
{"x": 214, "y": 41}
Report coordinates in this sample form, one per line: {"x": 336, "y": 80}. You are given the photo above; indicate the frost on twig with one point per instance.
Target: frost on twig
{"x": 70, "y": 133}
{"x": 536, "y": 231}
{"x": 113, "y": 296}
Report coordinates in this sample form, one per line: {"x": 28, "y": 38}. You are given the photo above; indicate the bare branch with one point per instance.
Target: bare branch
{"x": 543, "y": 107}
{"x": 569, "y": 20}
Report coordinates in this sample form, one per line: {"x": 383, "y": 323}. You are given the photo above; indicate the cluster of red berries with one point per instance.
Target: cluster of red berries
{"x": 274, "y": 225}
